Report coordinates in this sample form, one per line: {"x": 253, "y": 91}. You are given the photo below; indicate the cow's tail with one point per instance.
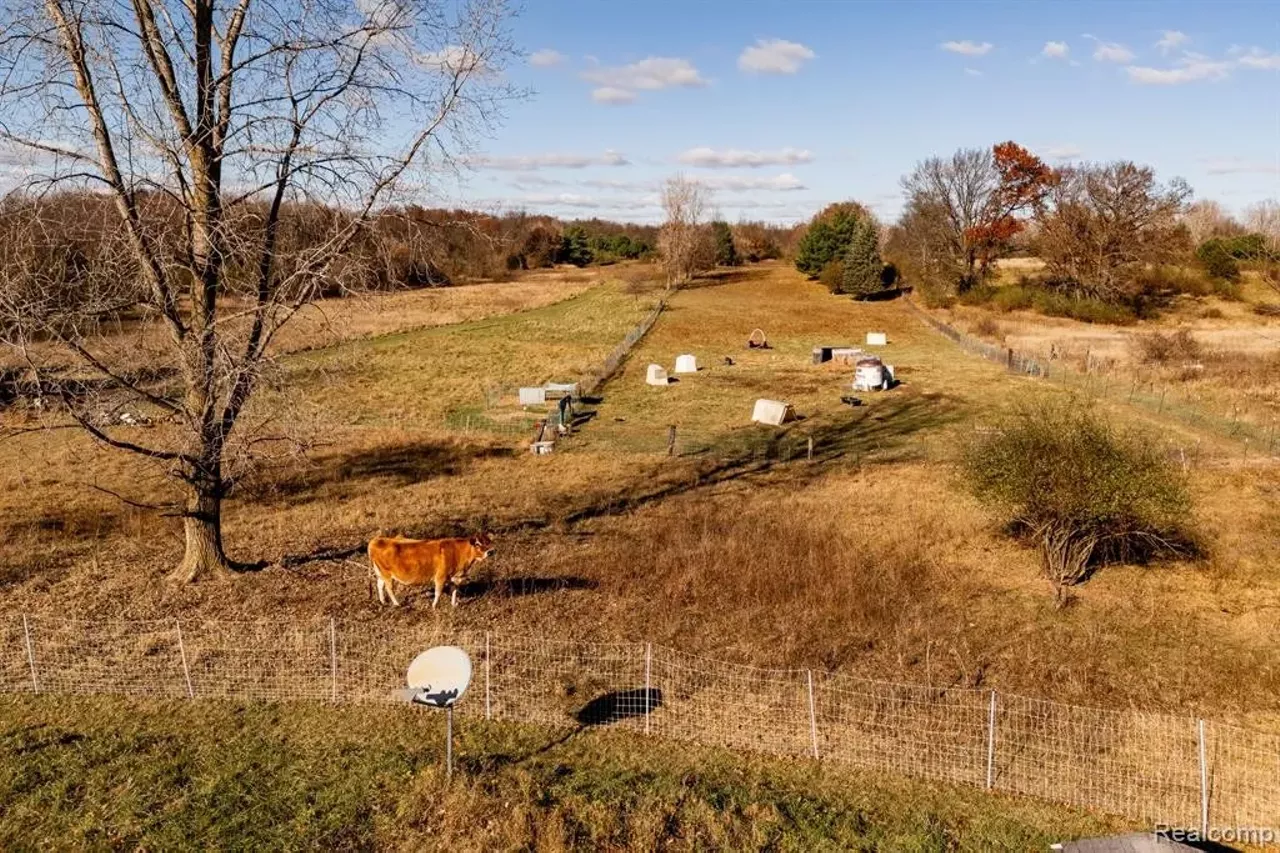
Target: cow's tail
{"x": 374, "y": 571}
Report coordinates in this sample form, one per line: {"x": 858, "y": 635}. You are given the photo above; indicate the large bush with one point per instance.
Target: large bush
{"x": 1217, "y": 259}
{"x": 1083, "y": 491}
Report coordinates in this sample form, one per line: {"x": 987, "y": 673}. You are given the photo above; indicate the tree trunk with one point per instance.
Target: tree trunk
{"x": 203, "y": 534}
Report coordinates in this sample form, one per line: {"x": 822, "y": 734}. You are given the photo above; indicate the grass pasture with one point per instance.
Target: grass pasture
{"x": 215, "y": 776}
{"x": 869, "y": 560}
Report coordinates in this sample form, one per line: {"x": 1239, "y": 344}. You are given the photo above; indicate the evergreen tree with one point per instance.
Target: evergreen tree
{"x": 575, "y": 248}
{"x": 829, "y": 236}
{"x": 726, "y": 252}
{"x": 862, "y": 264}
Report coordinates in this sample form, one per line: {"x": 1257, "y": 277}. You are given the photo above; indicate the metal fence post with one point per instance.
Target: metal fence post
{"x": 488, "y": 713}
{"x": 813, "y": 716}
{"x": 1204, "y": 784}
{"x": 333, "y": 660}
{"x": 182, "y": 650}
{"x": 31, "y": 654}
{"x": 648, "y": 696}
{"x": 991, "y": 742}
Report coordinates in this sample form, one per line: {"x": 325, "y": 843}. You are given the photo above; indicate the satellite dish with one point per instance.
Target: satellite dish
{"x": 438, "y": 677}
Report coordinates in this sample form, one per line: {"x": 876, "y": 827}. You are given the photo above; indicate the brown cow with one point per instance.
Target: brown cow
{"x": 414, "y": 562}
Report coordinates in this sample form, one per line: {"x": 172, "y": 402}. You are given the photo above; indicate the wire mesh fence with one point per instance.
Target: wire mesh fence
{"x": 1154, "y": 767}
{"x": 1240, "y": 418}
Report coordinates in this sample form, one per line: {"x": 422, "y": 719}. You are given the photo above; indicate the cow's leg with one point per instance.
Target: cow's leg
{"x": 382, "y": 598}
{"x": 455, "y": 595}
{"x": 439, "y": 589}
{"x": 391, "y": 591}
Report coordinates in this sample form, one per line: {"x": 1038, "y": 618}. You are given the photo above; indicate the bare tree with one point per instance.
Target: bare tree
{"x": 1205, "y": 219}
{"x": 1264, "y": 218}
{"x": 966, "y": 207}
{"x": 1107, "y": 222}
{"x": 205, "y": 122}
{"x": 684, "y": 239}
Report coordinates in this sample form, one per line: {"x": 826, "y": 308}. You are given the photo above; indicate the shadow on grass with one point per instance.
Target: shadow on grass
{"x": 397, "y": 464}
{"x": 608, "y": 708}
{"x": 519, "y": 587}
{"x": 865, "y": 435}
{"x": 620, "y": 705}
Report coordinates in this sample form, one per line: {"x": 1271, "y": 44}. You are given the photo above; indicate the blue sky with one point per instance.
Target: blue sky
{"x": 784, "y": 106}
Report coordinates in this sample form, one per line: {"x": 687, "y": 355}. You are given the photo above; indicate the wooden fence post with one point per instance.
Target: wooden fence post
{"x": 648, "y": 695}
{"x": 991, "y": 742}
{"x": 813, "y": 716}
{"x": 182, "y": 650}
{"x": 333, "y": 660}
{"x": 31, "y": 654}
{"x": 671, "y": 440}
{"x": 810, "y": 448}
{"x": 488, "y": 710}
{"x": 1204, "y": 784}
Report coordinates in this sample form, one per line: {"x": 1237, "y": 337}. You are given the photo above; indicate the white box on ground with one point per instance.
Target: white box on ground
{"x": 533, "y": 396}
{"x": 686, "y": 364}
{"x": 877, "y": 339}
{"x": 656, "y": 375}
{"x": 771, "y": 412}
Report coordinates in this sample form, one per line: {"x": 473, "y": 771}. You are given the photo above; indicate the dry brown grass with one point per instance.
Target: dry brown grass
{"x": 869, "y": 560}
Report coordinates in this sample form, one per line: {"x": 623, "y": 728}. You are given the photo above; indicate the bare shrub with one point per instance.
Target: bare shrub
{"x": 1172, "y": 348}
{"x": 1267, "y": 309}
{"x": 987, "y": 327}
{"x": 1084, "y": 492}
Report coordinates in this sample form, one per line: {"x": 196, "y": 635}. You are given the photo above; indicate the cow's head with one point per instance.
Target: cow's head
{"x": 483, "y": 543}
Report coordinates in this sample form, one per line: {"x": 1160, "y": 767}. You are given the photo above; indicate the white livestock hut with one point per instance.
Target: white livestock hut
{"x": 877, "y": 339}
{"x": 772, "y": 412}
{"x": 871, "y": 374}
{"x": 686, "y": 364}
{"x": 656, "y": 374}
{"x": 533, "y": 396}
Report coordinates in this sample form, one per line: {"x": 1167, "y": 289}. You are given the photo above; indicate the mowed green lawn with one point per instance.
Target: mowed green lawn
{"x": 97, "y": 774}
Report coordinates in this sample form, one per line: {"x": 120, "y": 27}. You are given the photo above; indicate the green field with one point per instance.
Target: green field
{"x": 96, "y": 774}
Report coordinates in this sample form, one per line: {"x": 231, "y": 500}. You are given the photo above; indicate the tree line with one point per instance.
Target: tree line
{"x": 1111, "y": 235}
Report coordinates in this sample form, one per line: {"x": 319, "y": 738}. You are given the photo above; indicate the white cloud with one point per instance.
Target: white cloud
{"x": 531, "y": 162}
{"x": 1109, "y": 51}
{"x": 1055, "y": 50}
{"x": 739, "y": 183}
{"x": 1170, "y": 39}
{"x": 1191, "y": 68}
{"x": 546, "y": 58}
{"x": 653, "y": 73}
{"x": 454, "y": 59}
{"x": 967, "y": 48}
{"x": 1238, "y": 166}
{"x": 973, "y": 72}
{"x": 774, "y": 56}
{"x": 612, "y": 95}
{"x": 1256, "y": 57}
{"x": 1062, "y": 152}
{"x": 729, "y": 158}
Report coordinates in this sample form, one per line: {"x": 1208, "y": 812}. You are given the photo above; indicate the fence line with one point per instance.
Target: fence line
{"x": 1152, "y": 767}
{"x": 1127, "y": 387}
